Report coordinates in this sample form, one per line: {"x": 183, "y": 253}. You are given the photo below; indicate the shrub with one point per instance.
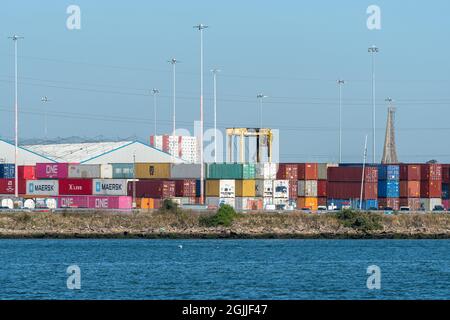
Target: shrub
{"x": 170, "y": 206}
{"x": 360, "y": 220}
{"x": 223, "y": 217}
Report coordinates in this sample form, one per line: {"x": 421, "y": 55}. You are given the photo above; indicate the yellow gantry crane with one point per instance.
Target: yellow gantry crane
{"x": 243, "y": 133}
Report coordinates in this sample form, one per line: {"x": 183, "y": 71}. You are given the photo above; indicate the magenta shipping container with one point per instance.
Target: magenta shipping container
{"x": 52, "y": 170}
{"x": 95, "y": 202}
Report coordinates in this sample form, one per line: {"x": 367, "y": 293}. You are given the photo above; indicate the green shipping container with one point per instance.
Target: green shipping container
{"x": 235, "y": 171}
{"x": 123, "y": 170}
{"x": 248, "y": 171}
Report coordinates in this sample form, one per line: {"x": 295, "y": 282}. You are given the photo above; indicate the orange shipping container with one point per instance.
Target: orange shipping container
{"x": 311, "y": 203}
{"x": 308, "y": 171}
{"x": 410, "y": 189}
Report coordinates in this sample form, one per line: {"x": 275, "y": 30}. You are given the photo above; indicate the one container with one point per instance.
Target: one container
{"x": 307, "y": 188}
{"x": 160, "y": 189}
{"x": 75, "y": 187}
{"x": 388, "y": 172}
{"x": 186, "y": 188}
{"x": 393, "y": 203}
{"x": 186, "y": 171}
{"x": 431, "y": 172}
{"x": 224, "y": 188}
{"x": 27, "y": 172}
{"x": 431, "y": 189}
{"x": 153, "y": 170}
{"x": 84, "y": 171}
{"x": 7, "y": 171}
{"x": 428, "y": 204}
{"x": 266, "y": 171}
{"x": 264, "y": 188}
{"x": 307, "y": 202}
{"x": 388, "y": 189}
{"x": 52, "y": 170}
{"x": 409, "y": 189}
{"x": 412, "y": 203}
{"x": 287, "y": 171}
{"x": 42, "y": 187}
{"x": 109, "y": 187}
{"x": 410, "y": 172}
{"x": 281, "y": 189}
{"x": 123, "y": 171}
{"x": 106, "y": 171}
{"x": 352, "y": 174}
{"x": 245, "y": 188}
{"x": 307, "y": 171}
{"x": 121, "y": 202}
{"x": 73, "y": 202}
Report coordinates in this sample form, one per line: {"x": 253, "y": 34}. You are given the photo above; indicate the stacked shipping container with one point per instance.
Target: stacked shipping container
{"x": 430, "y": 186}
{"x": 410, "y": 186}
{"x": 389, "y": 186}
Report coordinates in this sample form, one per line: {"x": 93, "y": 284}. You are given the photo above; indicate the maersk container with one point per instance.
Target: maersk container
{"x": 52, "y": 170}
{"x": 264, "y": 188}
{"x": 281, "y": 189}
{"x": 42, "y": 187}
{"x": 388, "y": 172}
{"x": 123, "y": 171}
{"x": 388, "y": 189}
{"x": 266, "y": 171}
{"x": 7, "y": 171}
{"x": 186, "y": 171}
{"x": 109, "y": 187}
{"x": 84, "y": 171}
{"x": 307, "y": 188}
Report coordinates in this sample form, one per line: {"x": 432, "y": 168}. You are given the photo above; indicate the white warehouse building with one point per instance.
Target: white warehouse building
{"x": 25, "y": 157}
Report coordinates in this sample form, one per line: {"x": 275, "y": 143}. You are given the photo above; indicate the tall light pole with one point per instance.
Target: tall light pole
{"x": 15, "y": 38}
{"x": 45, "y": 100}
{"x": 373, "y": 50}
{"x": 340, "y": 83}
{"x": 155, "y": 92}
{"x": 215, "y": 72}
{"x": 200, "y": 28}
{"x": 174, "y": 62}
{"x": 261, "y": 97}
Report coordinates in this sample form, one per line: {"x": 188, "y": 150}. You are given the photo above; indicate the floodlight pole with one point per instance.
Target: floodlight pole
{"x": 155, "y": 92}
{"x": 215, "y": 72}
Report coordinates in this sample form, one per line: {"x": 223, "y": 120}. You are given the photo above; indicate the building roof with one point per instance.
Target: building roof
{"x": 25, "y": 156}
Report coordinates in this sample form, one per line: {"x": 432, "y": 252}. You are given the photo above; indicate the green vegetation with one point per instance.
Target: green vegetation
{"x": 360, "y": 220}
{"x": 169, "y": 206}
{"x": 223, "y": 217}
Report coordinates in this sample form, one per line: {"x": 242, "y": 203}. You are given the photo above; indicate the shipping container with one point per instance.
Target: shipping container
{"x": 248, "y": 203}
{"x": 388, "y": 189}
{"x": 7, "y": 186}
{"x": 307, "y": 171}
{"x": 267, "y": 201}
{"x": 266, "y": 171}
{"x": 287, "y": 171}
{"x": 148, "y": 203}
{"x": 84, "y": 171}
{"x": 264, "y": 188}
{"x": 186, "y": 171}
{"x": 352, "y": 174}
{"x": 75, "y": 187}
{"x": 7, "y": 171}
{"x": 428, "y": 204}
{"x": 445, "y": 191}
{"x": 293, "y": 190}
{"x": 106, "y": 171}
{"x": 412, "y": 203}
{"x": 73, "y": 202}
{"x": 248, "y": 171}
{"x": 52, "y": 170}
{"x": 27, "y": 172}
{"x": 431, "y": 189}
{"x": 160, "y": 189}
{"x": 339, "y": 204}
{"x": 351, "y": 190}
{"x": 410, "y": 172}
{"x": 446, "y": 204}
{"x": 123, "y": 171}
{"x": 409, "y": 189}
{"x": 388, "y": 172}
{"x": 245, "y": 188}
{"x": 446, "y": 173}
{"x": 152, "y": 170}
{"x": 281, "y": 189}
{"x": 186, "y": 188}
{"x": 322, "y": 201}
{"x": 109, "y": 187}
{"x": 431, "y": 172}
{"x": 42, "y": 187}
{"x": 393, "y": 203}
{"x": 216, "y": 202}
{"x": 366, "y": 204}
{"x": 221, "y": 188}
{"x": 224, "y": 171}
{"x": 307, "y": 202}
{"x": 322, "y": 188}
{"x": 307, "y": 188}
{"x": 322, "y": 171}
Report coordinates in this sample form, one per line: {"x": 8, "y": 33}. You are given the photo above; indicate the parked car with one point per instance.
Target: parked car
{"x": 438, "y": 208}
{"x": 404, "y": 209}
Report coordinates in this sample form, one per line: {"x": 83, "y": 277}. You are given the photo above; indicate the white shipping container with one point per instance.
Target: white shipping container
{"x": 217, "y": 202}
{"x": 109, "y": 187}
{"x": 248, "y": 203}
{"x": 267, "y": 201}
{"x": 227, "y": 188}
{"x": 106, "y": 171}
{"x": 278, "y": 201}
{"x": 87, "y": 171}
{"x": 42, "y": 187}
{"x": 428, "y": 203}
{"x": 264, "y": 188}
{"x": 267, "y": 171}
{"x": 281, "y": 189}
{"x": 186, "y": 171}
{"x": 307, "y": 188}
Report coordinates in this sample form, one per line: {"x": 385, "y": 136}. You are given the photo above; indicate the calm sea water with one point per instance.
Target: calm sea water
{"x": 225, "y": 269}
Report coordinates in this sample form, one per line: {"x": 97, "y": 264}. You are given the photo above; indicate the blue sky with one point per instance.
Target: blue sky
{"x": 98, "y": 78}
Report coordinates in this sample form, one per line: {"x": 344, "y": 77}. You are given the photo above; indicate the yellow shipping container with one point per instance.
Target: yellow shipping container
{"x": 246, "y": 188}
{"x": 152, "y": 170}
{"x": 311, "y": 203}
{"x": 212, "y": 188}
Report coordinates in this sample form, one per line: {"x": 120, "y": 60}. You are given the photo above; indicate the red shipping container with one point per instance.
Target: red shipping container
{"x": 446, "y": 173}
{"x": 293, "y": 190}
{"x": 431, "y": 171}
{"x": 308, "y": 171}
{"x": 322, "y": 201}
{"x": 351, "y": 190}
{"x": 75, "y": 187}
{"x": 7, "y": 186}
{"x": 412, "y": 203}
{"x": 287, "y": 171}
{"x": 430, "y": 189}
{"x": 322, "y": 188}
{"x": 159, "y": 189}
{"x": 26, "y": 172}
{"x": 410, "y": 189}
{"x": 185, "y": 188}
{"x": 393, "y": 203}
{"x": 446, "y": 204}
{"x": 352, "y": 174}
{"x": 410, "y": 172}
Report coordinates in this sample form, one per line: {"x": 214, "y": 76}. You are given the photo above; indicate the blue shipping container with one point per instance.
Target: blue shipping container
{"x": 7, "y": 171}
{"x": 445, "y": 193}
{"x": 388, "y": 189}
{"x": 339, "y": 203}
{"x": 366, "y": 204}
{"x": 388, "y": 172}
